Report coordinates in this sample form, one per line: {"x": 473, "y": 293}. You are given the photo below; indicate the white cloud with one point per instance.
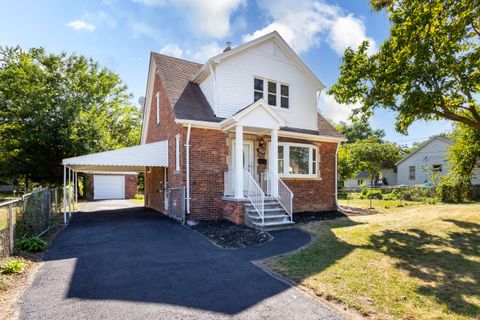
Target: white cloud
{"x": 173, "y": 50}
{"x": 81, "y": 25}
{"x": 205, "y": 52}
{"x": 140, "y": 28}
{"x": 209, "y": 18}
{"x": 333, "y": 110}
{"x": 302, "y": 24}
{"x": 349, "y": 32}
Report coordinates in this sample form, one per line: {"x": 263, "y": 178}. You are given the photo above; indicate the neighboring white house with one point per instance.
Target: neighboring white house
{"x": 362, "y": 179}
{"x": 418, "y": 166}
{"x": 430, "y": 156}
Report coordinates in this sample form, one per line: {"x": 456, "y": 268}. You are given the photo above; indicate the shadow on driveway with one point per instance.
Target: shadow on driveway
{"x": 136, "y": 263}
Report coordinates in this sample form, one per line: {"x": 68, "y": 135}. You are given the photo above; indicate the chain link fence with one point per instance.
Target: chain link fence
{"x": 176, "y": 203}
{"x": 30, "y": 216}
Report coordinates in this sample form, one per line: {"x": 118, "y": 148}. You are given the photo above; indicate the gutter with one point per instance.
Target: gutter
{"x": 187, "y": 155}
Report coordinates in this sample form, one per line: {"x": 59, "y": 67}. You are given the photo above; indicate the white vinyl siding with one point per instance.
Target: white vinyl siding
{"x": 177, "y": 152}
{"x": 208, "y": 88}
{"x": 235, "y": 80}
{"x": 434, "y": 153}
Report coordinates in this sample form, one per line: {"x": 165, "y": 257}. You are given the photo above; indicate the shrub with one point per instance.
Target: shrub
{"x": 31, "y": 244}
{"x": 139, "y": 196}
{"x": 453, "y": 189}
{"x": 371, "y": 194}
{"x": 13, "y": 266}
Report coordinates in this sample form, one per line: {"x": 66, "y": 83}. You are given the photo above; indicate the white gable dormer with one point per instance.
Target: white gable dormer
{"x": 262, "y": 68}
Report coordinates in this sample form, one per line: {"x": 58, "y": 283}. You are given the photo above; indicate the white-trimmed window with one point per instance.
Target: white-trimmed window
{"x": 157, "y": 98}
{"x": 297, "y": 160}
{"x": 411, "y": 173}
{"x": 177, "y": 152}
{"x": 275, "y": 93}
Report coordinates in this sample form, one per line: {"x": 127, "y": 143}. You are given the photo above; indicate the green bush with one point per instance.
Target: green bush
{"x": 371, "y": 194}
{"x": 13, "y": 266}
{"x": 454, "y": 190}
{"x": 31, "y": 244}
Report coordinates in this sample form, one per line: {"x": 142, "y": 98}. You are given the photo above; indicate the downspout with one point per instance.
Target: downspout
{"x": 187, "y": 156}
{"x": 336, "y": 175}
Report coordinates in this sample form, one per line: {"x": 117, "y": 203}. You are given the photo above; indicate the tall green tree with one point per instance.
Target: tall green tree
{"x": 372, "y": 156}
{"x": 464, "y": 154}
{"x": 359, "y": 130}
{"x": 427, "y": 69}
{"x": 58, "y": 106}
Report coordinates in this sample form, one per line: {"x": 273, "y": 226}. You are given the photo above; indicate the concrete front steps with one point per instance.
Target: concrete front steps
{"x": 275, "y": 217}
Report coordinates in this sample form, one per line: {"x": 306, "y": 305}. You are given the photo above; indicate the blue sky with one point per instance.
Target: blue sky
{"x": 121, "y": 34}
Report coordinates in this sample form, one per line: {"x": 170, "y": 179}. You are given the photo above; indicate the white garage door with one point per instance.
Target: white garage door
{"x": 108, "y": 187}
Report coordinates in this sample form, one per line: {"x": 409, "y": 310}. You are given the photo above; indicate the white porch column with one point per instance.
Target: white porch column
{"x": 64, "y": 194}
{"x": 274, "y": 162}
{"x": 238, "y": 161}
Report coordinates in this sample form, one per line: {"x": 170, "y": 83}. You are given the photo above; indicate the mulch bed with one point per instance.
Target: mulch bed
{"x": 229, "y": 235}
{"x": 343, "y": 212}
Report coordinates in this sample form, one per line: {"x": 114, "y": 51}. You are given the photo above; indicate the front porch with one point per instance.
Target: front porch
{"x": 252, "y": 177}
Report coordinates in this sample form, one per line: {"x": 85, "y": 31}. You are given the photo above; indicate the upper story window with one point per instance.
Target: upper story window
{"x": 297, "y": 160}
{"x": 257, "y": 89}
{"x": 277, "y": 94}
{"x": 157, "y": 102}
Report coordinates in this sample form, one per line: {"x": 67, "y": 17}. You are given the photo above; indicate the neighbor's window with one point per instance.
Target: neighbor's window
{"x": 297, "y": 160}
{"x": 177, "y": 152}
{"x": 437, "y": 168}
{"x": 257, "y": 89}
{"x": 411, "y": 173}
{"x": 157, "y": 97}
{"x": 272, "y": 93}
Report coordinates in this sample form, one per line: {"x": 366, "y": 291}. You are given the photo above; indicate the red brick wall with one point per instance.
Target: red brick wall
{"x": 130, "y": 186}
{"x": 316, "y": 194}
{"x": 167, "y": 129}
{"x": 208, "y": 162}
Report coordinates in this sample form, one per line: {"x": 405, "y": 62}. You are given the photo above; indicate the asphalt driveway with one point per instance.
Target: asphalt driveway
{"x": 116, "y": 260}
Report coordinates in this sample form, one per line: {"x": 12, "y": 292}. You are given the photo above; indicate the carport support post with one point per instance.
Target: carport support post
{"x": 69, "y": 194}
{"x": 75, "y": 175}
{"x": 64, "y": 195}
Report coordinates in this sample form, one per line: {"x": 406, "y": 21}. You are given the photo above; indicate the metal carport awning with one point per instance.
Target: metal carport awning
{"x": 132, "y": 159}
{"x": 125, "y": 160}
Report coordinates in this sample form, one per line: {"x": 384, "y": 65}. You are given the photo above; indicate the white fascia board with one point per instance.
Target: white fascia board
{"x": 291, "y": 54}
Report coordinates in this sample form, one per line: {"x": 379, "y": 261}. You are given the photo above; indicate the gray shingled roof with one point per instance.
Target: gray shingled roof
{"x": 189, "y": 102}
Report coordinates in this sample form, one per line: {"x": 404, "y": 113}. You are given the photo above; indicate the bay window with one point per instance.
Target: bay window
{"x": 297, "y": 160}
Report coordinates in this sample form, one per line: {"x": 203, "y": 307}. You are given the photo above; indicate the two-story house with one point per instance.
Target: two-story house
{"x": 245, "y": 138}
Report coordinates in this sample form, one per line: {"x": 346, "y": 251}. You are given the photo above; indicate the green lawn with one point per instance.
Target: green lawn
{"x": 377, "y": 204}
{"x": 416, "y": 262}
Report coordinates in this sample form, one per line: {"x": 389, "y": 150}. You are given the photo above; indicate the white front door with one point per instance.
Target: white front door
{"x": 248, "y": 157}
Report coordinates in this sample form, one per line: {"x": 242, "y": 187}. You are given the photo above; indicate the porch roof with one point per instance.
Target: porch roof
{"x": 132, "y": 159}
